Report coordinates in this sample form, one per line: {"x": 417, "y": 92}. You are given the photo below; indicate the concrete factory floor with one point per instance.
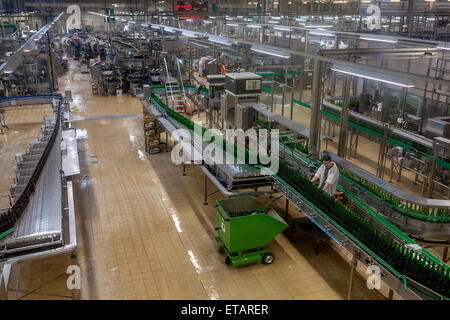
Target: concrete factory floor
{"x": 144, "y": 233}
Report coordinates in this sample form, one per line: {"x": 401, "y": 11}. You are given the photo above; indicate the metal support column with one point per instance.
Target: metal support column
{"x": 306, "y": 41}
{"x": 382, "y": 153}
{"x": 354, "y": 263}
{"x": 391, "y": 294}
{"x": 51, "y": 74}
{"x": 343, "y": 133}
{"x": 315, "y": 110}
{"x": 271, "y": 104}
{"x": 286, "y": 209}
{"x": 292, "y": 102}
{"x": 301, "y": 80}
{"x": 334, "y": 74}
{"x": 205, "y": 200}
{"x": 432, "y": 173}
{"x": 444, "y": 256}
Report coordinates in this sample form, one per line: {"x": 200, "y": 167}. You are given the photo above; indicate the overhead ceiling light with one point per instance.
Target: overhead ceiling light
{"x": 339, "y": 1}
{"x": 219, "y": 40}
{"x": 398, "y": 81}
{"x": 271, "y": 52}
{"x": 206, "y": 21}
{"x": 188, "y": 34}
{"x": 322, "y": 33}
{"x": 282, "y": 28}
{"x": 444, "y": 48}
{"x": 232, "y": 24}
{"x": 276, "y": 18}
{"x": 319, "y": 26}
{"x": 300, "y": 19}
{"x": 98, "y": 14}
{"x": 377, "y": 38}
{"x": 253, "y": 26}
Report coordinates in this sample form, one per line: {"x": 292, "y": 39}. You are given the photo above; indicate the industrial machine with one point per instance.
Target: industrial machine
{"x": 216, "y": 85}
{"x": 242, "y": 90}
{"x": 337, "y": 221}
{"x": 207, "y": 66}
{"x": 438, "y": 127}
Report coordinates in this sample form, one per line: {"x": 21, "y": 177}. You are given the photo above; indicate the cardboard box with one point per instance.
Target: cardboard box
{"x": 152, "y": 150}
{"x": 150, "y": 124}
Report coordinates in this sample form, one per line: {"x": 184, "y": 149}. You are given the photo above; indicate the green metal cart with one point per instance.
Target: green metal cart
{"x": 244, "y": 227}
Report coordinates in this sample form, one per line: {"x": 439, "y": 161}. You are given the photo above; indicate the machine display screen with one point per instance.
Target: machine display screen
{"x": 190, "y": 6}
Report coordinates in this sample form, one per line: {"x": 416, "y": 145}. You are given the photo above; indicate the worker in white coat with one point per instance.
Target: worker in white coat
{"x": 328, "y": 174}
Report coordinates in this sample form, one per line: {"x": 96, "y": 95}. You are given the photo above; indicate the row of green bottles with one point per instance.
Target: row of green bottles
{"x": 404, "y": 260}
{"x": 412, "y": 265}
{"x": 404, "y": 208}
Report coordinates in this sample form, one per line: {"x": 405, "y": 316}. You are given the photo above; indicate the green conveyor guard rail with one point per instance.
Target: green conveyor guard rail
{"x": 423, "y": 214}
{"x": 382, "y": 220}
{"x": 269, "y": 74}
{"x": 355, "y": 240}
{"x": 7, "y": 232}
{"x": 8, "y": 26}
{"x": 438, "y": 270}
{"x": 371, "y": 132}
{"x": 420, "y": 213}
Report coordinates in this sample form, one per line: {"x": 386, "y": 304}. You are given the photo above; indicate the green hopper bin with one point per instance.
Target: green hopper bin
{"x": 244, "y": 227}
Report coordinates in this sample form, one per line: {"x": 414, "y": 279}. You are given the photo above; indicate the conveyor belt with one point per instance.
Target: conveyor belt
{"x": 36, "y": 213}
{"x": 396, "y": 201}
{"x": 231, "y": 176}
{"x": 413, "y": 207}
{"x": 41, "y": 208}
{"x": 392, "y": 277}
{"x": 41, "y": 222}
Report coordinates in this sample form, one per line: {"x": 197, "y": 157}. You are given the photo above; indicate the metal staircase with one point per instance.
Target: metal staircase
{"x": 173, "y": 92}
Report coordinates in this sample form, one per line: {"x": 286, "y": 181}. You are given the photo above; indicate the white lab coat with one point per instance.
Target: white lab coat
{"x": 332, "y": 179}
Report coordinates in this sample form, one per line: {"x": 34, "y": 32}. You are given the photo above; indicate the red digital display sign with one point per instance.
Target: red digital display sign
{"x": 184, "y": 7}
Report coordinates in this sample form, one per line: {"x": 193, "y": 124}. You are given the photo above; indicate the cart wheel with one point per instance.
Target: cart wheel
{"x": 227, "y": 261}
{"x": 220, "y": 249}
{"x": 268, "y": 258}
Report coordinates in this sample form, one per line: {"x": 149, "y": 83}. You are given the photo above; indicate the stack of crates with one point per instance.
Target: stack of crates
{"x": 151, "y": 134}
